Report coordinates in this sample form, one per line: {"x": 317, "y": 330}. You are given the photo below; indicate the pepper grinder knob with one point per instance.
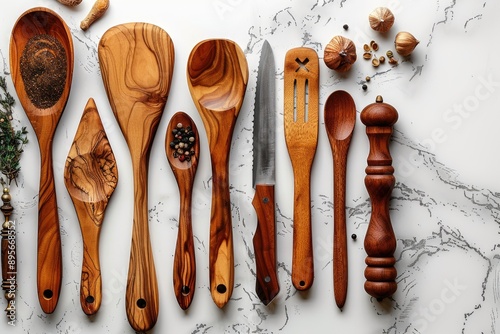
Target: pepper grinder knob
{"x": 380, "y": 241}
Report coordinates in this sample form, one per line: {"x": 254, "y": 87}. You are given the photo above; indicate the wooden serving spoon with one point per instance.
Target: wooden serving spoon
{"x": 184, "y": 168}
{"x": 41, "y": 61}
{"x": 90, "y": 176}
{"x": 340, "y": 118}
{"x": 137, "y": 61}
{"x": 217, "y": 78}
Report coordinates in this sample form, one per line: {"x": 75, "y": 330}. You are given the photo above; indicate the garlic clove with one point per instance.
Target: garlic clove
{"x": 340, "y": 54}
{"x": 381, "y": 19}
{"x": 405, "y": 43}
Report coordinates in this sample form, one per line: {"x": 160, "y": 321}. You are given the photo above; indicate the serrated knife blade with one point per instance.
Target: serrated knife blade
{"x": 264, "y": 142}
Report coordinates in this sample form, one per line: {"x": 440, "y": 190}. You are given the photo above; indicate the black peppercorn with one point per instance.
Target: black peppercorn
{"x": 365, "y": 87}
{"x": 354, "y": 236}
{"x": 345, "y": 27}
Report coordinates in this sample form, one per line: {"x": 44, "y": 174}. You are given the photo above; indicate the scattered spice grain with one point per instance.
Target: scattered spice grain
{"x": 43, "y": 70}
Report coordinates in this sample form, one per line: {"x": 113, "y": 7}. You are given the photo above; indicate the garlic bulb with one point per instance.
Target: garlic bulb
{"x": 381, "y": 19}
{"x": 340, "y": 54}
{"x": 405, "y": 43}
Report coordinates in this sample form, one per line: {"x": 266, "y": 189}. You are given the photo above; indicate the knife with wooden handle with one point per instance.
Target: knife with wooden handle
{"x": 264, "y": 140}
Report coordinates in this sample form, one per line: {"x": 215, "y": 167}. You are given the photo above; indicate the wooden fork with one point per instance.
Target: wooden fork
{"x": 301, "y": 87}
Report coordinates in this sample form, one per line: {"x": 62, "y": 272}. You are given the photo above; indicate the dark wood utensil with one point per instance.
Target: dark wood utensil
{"x": 184, "y": 168}
{"x": 301, "y": 82}
{"x": 340, "y": 118}
{"x": 380, "y": 242}
{"x": 217, "y": 73}
{"x": 137, "y": 61}
{"x": 41, "y": 61}
{"x": 90, "y": 176}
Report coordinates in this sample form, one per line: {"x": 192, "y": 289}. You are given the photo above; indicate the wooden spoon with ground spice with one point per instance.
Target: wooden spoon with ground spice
{"x": 41, "y": 61}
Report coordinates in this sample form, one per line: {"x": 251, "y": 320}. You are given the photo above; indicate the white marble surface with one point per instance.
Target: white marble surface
{"x": 444, "y": 208}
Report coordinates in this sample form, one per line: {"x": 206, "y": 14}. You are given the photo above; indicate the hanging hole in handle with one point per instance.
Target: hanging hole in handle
{"x": 267, "y": 279}
{"x": 185, "y": 290}
{"x": 48, "y": 294}
{"x": 141, "y": 303}
{"x": 302, "y": 283}
{"x": 90, "y": 299}
{"x": 221, "y": 288}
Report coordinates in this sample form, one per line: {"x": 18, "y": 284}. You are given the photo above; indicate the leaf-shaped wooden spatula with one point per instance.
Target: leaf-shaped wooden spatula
{"x": 90, "y": 176}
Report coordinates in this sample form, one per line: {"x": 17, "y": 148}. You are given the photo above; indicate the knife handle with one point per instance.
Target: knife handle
{"x": 380, "y": 241}
{"x": 264, "y": 243}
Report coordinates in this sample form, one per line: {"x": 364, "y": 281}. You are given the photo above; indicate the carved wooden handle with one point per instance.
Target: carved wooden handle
{"x": 221, "y": 234}
{"x": 91, "y": 281}
{"x": 184, "y": 258}
{"x": 49, "y": 259}
{"x": 340, "y": 270}
{"x": 302, "y": 258}
{"x": 380, "y": 242}
{"x": 142, "y": 286}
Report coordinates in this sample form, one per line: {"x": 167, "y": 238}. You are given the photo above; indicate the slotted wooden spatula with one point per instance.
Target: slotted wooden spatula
{"x": 301, "y": 88}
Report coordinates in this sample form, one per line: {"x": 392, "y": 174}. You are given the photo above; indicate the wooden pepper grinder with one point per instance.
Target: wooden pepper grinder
{"x": 380, "y": 242}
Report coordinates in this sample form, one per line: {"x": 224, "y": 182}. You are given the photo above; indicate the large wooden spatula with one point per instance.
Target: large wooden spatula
{"x": 137, "y": 61}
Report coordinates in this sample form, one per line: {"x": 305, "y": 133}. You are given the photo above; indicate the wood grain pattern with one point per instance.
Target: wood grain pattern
{"x": 217, "y": 77}
{"x": 184, "y": 273}
{"x": 301, "y": 86}
{"x": 137, "y": 61}
{"x": 264, "y": 243}
{"x": 380, "y": 241}
{"x": 40, "y": 22}
{"x": 340, "y": 119}
{"x": 90, "y": 176}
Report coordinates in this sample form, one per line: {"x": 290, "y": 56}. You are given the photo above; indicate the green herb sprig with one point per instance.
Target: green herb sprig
{"x": 11, "y": 141}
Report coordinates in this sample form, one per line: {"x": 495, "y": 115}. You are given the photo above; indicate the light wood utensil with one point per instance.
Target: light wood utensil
{"x": 380, "y": 241}
{"x": 137, "y": 61}
{"x": 301, "y": 89}
{"x": 340, "y": 118}
{"x": 184, "y": 170}
{"x": 90, "y": 176}
{"x": 45, "y": 41}
{"x": 217, "y": 77}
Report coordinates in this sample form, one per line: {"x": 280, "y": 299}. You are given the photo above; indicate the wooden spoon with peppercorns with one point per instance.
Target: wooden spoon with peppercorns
{"x": 183, "y": 150}
{"x": 41, "y": 61}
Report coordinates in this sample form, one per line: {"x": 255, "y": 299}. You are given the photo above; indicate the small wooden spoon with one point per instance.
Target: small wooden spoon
{"x": 41, "y": 61}
{"x": 217, "y": 78}
{"x": 184, "y": 168}
{"x": 340, "y": 118}
{"x": 137, "y": 61}
{"x": 90, "y": 176}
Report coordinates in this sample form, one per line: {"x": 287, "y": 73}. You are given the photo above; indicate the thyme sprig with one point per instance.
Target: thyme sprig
{"x": 11, "y": 141}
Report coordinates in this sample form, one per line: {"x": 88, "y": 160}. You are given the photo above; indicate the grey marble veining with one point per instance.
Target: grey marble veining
{"x": 444, "y": 214}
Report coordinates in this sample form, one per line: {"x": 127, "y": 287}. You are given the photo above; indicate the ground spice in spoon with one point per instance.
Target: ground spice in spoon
{"x": 43, "y": 69}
